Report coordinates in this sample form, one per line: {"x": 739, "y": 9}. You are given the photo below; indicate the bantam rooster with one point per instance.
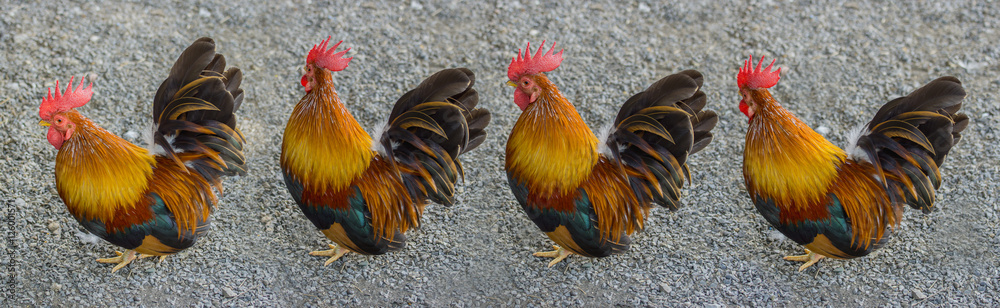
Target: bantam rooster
{"x": 845, "y": 204}
{"x": 364, "y": 194}
{"x": 589, "y": 195}
{"x": 152, "y": 201}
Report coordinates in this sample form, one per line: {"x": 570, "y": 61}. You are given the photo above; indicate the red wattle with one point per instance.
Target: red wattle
{"x": 521, "y": 99}
{"x": 55, "y": 138}
{"x": 746, "y": 110}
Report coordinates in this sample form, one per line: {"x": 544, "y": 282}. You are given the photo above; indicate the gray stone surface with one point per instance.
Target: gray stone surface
{"x": 840, "y": 63}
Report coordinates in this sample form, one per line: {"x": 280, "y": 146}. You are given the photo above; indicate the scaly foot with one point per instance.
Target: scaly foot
{"x": 143, "y": 256}
{"x": 559, "y": 254}
{"x": 334, "y": 253}
{"x": 809, "y": 258}
{"x": 122, "y": 259}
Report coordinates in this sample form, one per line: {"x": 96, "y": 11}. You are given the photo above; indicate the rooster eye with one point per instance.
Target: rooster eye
{"x": 525, "y": 82}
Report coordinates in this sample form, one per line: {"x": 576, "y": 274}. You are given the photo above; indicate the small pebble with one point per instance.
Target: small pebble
{"x": 228, "y": 293}
{"x": 131, "y": 135}
{"x": 20, "y": 38}
{"x": 823, "y": 130}
{"x": 665, "y": 288}
{"x": 53, "y": 226}
{"x": 919, "y": 294}
{"x": 88, "y": 238}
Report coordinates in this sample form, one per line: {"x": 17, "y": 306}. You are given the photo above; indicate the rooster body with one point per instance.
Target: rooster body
{"x": 845, "y": 204}
{"x": 156, "y": 202}
{"x": 365, "y": 194}
{"x": 589, "y": 195}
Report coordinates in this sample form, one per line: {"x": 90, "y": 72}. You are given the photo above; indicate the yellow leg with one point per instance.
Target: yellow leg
{"x": 122, "y": 259}
{"x": 809, "y": 258}
{"x": 143, "y": 256}
{"x": 559, "y": 254}
{"x": 334, "y": 253}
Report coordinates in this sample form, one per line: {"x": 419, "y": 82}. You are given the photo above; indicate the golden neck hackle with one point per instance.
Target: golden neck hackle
{"x": 323, "y": 143}
{"x": 98, "y": 173}
{"x": 784, "y": 159}
{"x": 551, "y": 148}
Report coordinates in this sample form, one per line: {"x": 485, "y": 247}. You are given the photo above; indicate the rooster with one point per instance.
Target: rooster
{"x": 157, "y": 201}
{"x": 590, "y": 195}
{"x": 839, "y": 203}
{"x": 364, "y": 194}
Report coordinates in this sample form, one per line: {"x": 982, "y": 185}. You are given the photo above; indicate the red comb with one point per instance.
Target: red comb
{"x": 67, "y": 100}
{"x": 755, "y": 78}
{"x": 327, "y": 58}
{"x": 527, "y": 64}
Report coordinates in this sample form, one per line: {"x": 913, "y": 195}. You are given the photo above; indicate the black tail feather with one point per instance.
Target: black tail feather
{"x": 194, "y": 112}
{"x": 909, "y": 138}
{"x": 478, "y": 120}
{"x": 430, "y": 126}
{"x": 656, "y": 130}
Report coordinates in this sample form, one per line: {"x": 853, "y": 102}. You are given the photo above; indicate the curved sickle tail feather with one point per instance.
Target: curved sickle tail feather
{"x": 429, "y": 127}
{"x": 909, "y": 138}
{"x": 194, "y": 113}
{"x": 656, "y": 130}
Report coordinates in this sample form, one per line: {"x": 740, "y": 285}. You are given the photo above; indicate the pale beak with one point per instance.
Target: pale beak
{"x": 511, "y": 83}
{"x": 44, "y": 123}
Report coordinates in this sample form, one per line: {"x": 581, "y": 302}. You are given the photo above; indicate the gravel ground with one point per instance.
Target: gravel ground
{"x": 840, "y": 63}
